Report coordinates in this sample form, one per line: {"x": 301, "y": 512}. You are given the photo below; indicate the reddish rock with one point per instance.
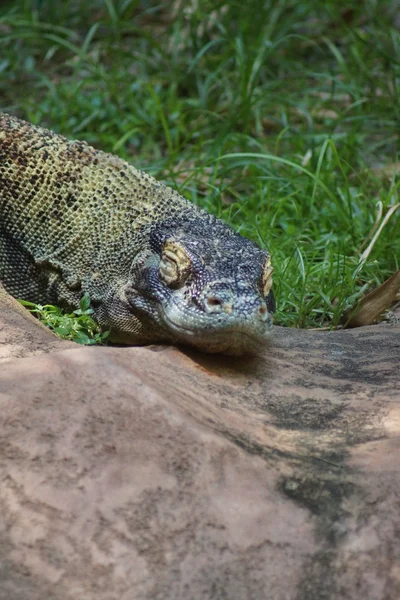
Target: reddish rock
{"x": 158, "y": 473}
{"x": 21, "y": 334}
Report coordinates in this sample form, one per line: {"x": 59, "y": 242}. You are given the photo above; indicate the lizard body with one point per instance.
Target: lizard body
{"x": 157, "y": 268}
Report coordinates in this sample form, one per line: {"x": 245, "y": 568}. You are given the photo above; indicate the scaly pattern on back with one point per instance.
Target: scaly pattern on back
{"x": 65, "y": 203}
{"x": 75, "y": 220}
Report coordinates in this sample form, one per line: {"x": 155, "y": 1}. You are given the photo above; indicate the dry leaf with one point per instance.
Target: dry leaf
{"x": 385, "y": 220}
{"x": 306, "y": 158}
{"x": 325, "y": 113}
{"x": 368, "y": 310}
{"x": 379, "y": 205}
{"x": 388, "y": 170}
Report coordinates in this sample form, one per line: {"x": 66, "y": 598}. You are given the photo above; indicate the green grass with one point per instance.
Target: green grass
{"x": 281, "y": 117}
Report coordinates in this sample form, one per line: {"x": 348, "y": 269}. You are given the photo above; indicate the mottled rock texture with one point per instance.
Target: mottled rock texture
{"x": 154, "y": 473}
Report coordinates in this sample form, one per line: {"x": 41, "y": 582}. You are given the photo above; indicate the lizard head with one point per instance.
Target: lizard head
{"x": 202, "y": 284}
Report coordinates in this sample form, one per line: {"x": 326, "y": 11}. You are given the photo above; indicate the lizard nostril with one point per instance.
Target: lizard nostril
{"x": 263, "y": 312}
{"x": 213, "y": 304}
{"x": 213, "y": 301}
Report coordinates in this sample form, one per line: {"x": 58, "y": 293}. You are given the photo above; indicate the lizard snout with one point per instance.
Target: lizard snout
{"x": 220, "y": 298}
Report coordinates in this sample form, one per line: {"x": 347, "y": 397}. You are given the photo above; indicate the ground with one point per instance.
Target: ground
{"x": 156, "y": 473}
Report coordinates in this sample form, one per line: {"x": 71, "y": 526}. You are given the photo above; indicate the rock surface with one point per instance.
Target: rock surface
{"x": 158, "y": 473}
{"x": 20, "y": 333}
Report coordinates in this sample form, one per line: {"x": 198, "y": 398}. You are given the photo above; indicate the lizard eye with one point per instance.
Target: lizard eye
{"x": 169, "y": 272}
{"x": 266, "y": 282}
{"x": 174, "y": 265}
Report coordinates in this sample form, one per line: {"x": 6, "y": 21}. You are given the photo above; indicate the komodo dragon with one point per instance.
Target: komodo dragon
{"x": 76, "y": 220}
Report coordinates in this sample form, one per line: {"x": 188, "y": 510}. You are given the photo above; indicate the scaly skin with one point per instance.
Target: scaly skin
{"x": 156, "y": 267}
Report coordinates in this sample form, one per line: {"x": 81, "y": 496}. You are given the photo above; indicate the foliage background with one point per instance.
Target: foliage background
{"x": 281, "y": 117}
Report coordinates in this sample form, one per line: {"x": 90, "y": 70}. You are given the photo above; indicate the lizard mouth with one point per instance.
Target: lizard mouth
{"x": 231, "y": 339}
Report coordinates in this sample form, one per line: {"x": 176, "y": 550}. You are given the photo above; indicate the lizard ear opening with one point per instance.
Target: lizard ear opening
{"x": 174, "y": 264}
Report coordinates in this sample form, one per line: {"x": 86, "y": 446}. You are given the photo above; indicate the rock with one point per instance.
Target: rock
{"x": 21, "y": 334}
{"x": 158, "y": 473}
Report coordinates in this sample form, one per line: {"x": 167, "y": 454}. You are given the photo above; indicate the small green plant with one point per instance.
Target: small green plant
{"x": 78, "y": 326}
